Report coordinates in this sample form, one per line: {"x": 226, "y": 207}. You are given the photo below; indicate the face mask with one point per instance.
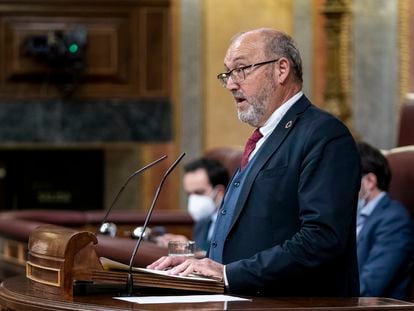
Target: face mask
{"x": 363, "y": 197}
{"x": 200, "y": 206}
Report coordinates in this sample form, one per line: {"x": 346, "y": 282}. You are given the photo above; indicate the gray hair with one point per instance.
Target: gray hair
{"x": 282, "y": 45}
{"x": 278, "y": 44}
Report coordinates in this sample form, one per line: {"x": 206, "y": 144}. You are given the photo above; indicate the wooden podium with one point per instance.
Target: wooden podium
{"x": 59, "y": 256}
{"x": 16, "y": 294}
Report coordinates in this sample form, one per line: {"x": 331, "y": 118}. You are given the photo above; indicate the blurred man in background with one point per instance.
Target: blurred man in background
{"x": 204, "y": 181}
{"x": 385, "y": 235}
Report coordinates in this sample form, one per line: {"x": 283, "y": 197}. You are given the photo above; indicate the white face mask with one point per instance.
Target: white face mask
{"x": 200, "y": 206}
{"x": 363, "y": 195}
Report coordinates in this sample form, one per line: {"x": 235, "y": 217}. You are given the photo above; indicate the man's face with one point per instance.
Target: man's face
{"x": 368, "y": 185}
{"x": 363, "y": 191}
{"x": 197, "y": 182}
{"x": 253, "y": 95}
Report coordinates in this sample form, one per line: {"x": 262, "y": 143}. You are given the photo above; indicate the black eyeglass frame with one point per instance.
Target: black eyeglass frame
{"x": 224, "y": 76}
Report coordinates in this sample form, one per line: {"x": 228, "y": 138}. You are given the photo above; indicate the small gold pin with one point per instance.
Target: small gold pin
{"x": 289, "y": 124}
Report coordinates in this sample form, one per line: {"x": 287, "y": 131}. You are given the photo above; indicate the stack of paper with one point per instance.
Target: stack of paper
{"x": 116, "y": 273}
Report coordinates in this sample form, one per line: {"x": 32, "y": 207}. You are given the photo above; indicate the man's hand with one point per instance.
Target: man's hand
{"x": 166, "y": 262}
{"x": 184, "y": 266}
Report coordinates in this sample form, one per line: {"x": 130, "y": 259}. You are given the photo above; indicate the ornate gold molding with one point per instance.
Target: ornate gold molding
{"x": 404, "y": 48}
{"x": 338, "y": 77}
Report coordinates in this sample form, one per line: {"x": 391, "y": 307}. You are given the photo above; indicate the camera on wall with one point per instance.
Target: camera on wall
{"x": 57, "y": 48}
{"x": 64, "y": 52}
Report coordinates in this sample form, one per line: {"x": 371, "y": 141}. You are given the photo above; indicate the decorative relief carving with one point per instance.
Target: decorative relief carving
{"x": 404, "y": 48}
{"x": 338, "y": 81}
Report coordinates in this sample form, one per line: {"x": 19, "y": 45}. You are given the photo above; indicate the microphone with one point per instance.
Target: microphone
{"x": 111, "y": 227}
{"x": 130, "y": 279}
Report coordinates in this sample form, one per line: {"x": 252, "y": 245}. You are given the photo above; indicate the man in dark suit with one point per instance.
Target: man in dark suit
{"x": 287, "y": 223}
{"x": 204, "y": 181}
{"x": 385, "y": 235}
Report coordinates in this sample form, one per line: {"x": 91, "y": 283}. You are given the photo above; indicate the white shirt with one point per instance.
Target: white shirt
{"x": 368, "y": 208}
{"x": 274, "y": 120}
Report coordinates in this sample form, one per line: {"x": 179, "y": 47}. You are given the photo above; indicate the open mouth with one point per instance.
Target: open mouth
{"x": 239, "y": 99}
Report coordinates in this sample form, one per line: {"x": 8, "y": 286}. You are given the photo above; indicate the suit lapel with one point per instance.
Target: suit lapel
{"x": 271, "y": 145}
{"x": 384, "y": 202}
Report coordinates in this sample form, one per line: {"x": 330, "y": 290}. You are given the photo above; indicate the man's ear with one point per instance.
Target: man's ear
{"x": 282, "y": 70}
{"x": 371, "y": 181}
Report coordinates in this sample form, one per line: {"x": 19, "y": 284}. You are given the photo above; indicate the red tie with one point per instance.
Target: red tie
{"x": 250, "y": 145}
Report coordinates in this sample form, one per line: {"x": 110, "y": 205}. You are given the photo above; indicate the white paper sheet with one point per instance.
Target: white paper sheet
{"x": 181, "y": 299}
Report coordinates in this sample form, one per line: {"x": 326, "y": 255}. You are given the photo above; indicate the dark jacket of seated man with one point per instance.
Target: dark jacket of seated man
{"x": 385, "y": 235}
{"x": 204, "y": 182}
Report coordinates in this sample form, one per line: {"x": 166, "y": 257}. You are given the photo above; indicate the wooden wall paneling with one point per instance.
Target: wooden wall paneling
{"x": 154, "y": 61}
{"x": 103, "y": 53}
{"x": 168, "y": 199}
{"x": 127, "y": 52}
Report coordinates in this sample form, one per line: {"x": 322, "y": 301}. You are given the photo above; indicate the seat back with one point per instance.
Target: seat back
{"x": 401, "y": 161}
{"x": 406, "y": 131}
{"x": 230, "y": 157}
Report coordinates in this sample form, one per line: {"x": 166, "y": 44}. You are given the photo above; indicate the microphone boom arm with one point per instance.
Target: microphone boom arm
{"x": 142, "y": 169}
{"x": 130, "y": 281}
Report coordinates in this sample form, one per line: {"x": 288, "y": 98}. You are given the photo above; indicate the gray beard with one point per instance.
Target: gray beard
{"x": 251, "y": 116}
{"x": 257, "y": 105}
{"x": 256, "y": 109}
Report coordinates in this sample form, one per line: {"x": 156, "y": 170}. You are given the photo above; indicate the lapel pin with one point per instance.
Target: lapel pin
{"x": 289, "y": 124}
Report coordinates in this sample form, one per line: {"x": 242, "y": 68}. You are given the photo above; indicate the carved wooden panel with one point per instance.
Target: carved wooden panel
{"x": 126, "y": 55}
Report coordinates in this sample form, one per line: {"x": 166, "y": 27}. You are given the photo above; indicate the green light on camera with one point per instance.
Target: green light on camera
{"x": 73, "y": 48}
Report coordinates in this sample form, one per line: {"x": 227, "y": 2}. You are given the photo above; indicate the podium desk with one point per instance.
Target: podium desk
{"x": 16, "y": 294}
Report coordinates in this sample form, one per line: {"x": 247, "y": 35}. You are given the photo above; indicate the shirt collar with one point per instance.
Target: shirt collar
{"x": 278, "y": 114}
{"x": 370, "y": 206}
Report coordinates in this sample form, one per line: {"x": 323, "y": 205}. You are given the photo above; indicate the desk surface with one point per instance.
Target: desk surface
{"x": 16, "y": 294}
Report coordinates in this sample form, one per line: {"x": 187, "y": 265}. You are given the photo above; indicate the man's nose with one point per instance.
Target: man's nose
{"x": 231, "y": 85}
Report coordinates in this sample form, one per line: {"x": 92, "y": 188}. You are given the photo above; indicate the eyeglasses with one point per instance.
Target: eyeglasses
{"x": 239, "y": 74}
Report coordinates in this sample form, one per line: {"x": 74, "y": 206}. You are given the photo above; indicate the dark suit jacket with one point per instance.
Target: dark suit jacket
{"x": 385, "y": 251}
{"x": 293, "y": 231}
{"x": 200, "y": 232}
